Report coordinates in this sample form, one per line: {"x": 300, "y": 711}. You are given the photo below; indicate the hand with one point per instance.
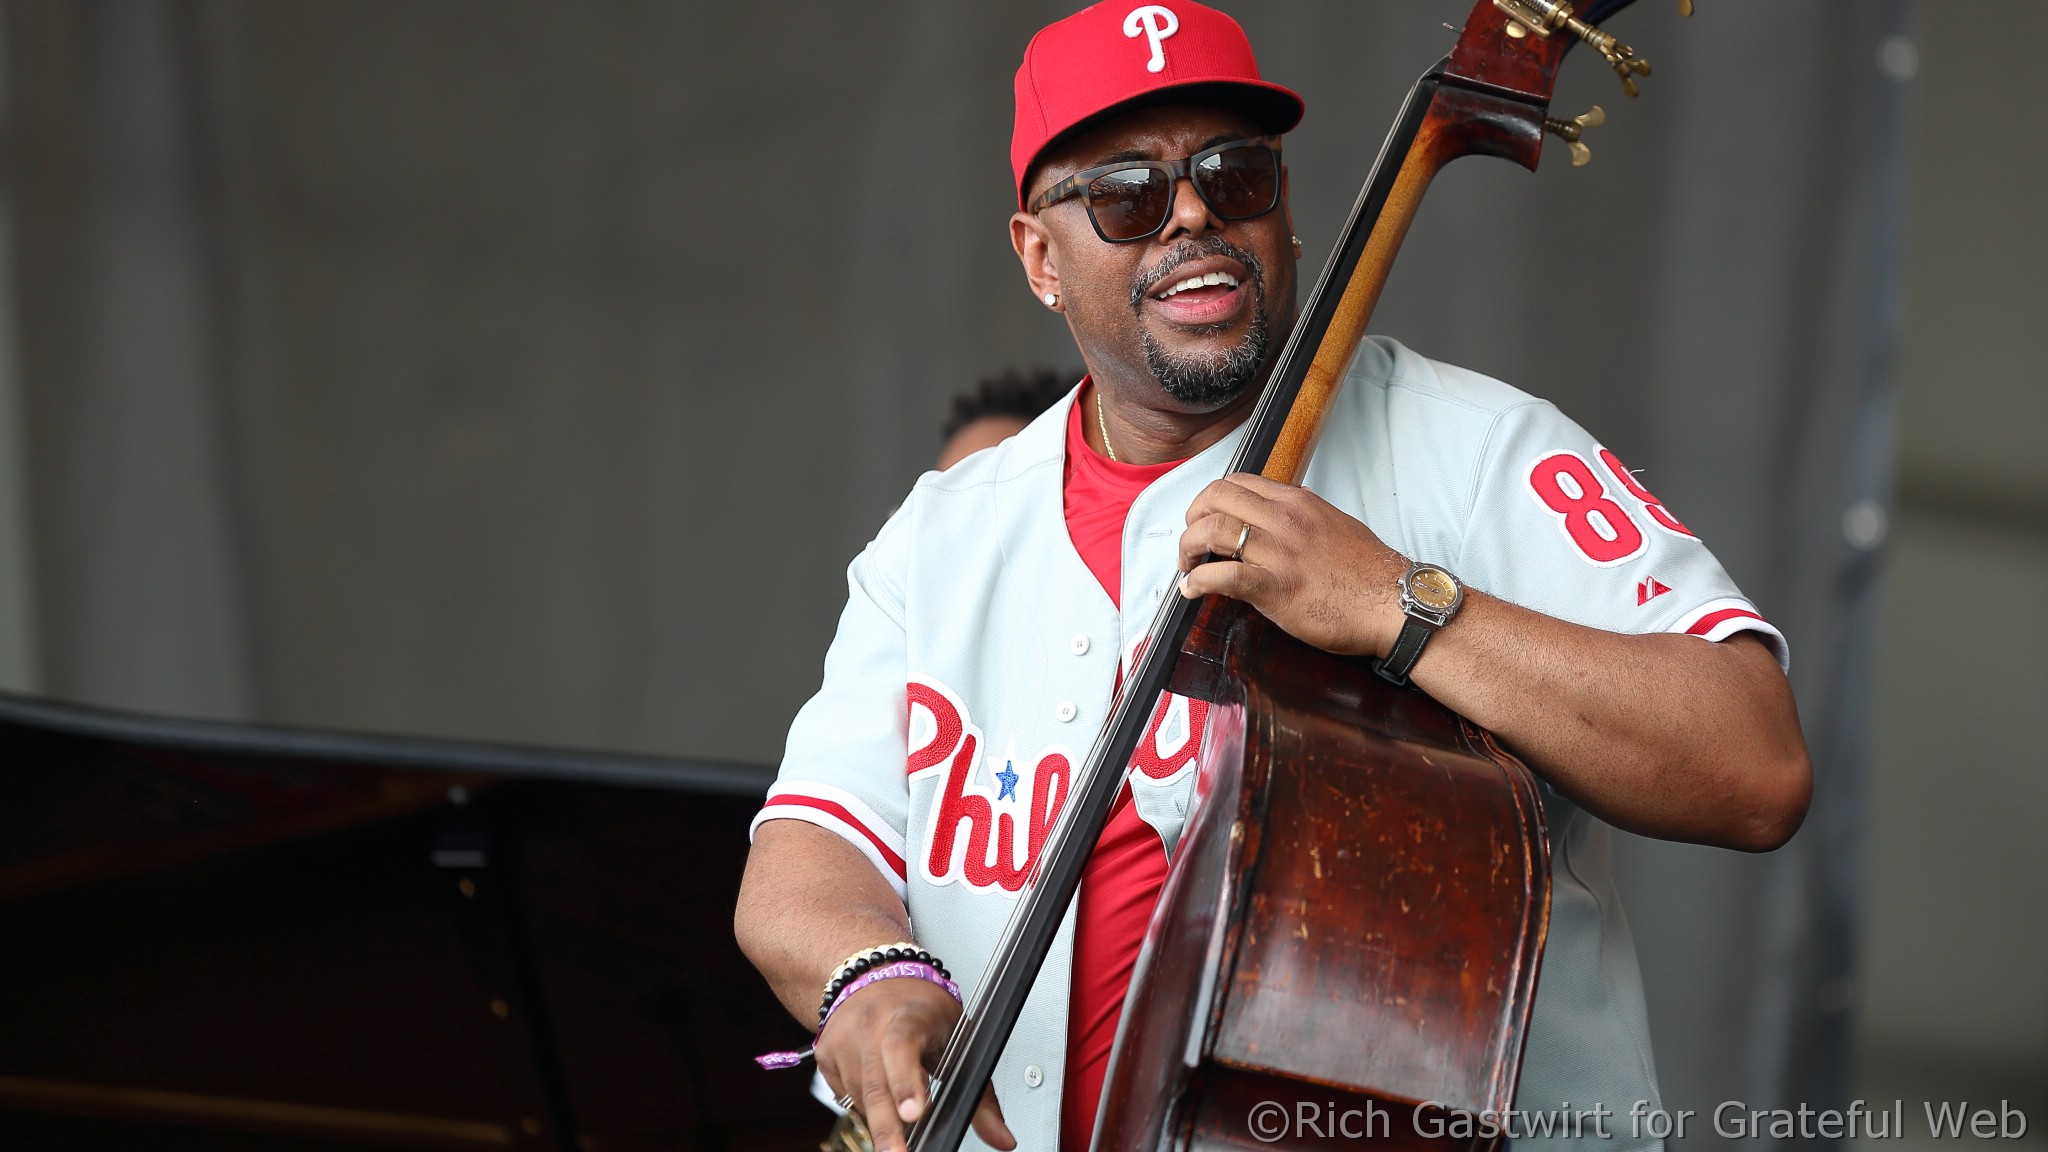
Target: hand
{"x": 1318, "y": 573}
{"x": 876, "y": 1049}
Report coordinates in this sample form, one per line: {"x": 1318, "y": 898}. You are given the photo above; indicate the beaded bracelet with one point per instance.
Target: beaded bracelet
{"x": 892, "y": 970}
{"x": 852, "y": 967}
{"x": 914, "y": 969}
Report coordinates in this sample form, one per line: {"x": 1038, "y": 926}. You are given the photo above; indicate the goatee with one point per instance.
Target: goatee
{"x": 1206, "y": 383}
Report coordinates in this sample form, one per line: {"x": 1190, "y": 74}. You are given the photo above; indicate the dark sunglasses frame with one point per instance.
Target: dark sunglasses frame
{"x": 1175, "y": 170}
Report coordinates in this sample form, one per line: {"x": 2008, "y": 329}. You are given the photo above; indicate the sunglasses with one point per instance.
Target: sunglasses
{"x": 1131, "y": 199}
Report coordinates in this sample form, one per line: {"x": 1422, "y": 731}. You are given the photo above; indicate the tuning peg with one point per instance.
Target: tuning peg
{"x": 1619, "y": 56}
{"x": 1544, "y": 17}
{"x": 1626, "y": 64}
{"x": 1685, "y": 7}
{"x": 1570, "y": 130}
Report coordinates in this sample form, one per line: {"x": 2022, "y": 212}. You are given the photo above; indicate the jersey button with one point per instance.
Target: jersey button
{"x": 1066, "y": 711}
{"x": 1079, "y": 644}
{"x": 1033, "y": 1077}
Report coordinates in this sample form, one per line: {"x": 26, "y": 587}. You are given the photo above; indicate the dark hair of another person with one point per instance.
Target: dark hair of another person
{"x": 1023, "y": 395}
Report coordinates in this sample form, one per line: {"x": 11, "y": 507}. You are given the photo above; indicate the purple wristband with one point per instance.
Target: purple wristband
{"x": 913, "y": 969}
{"x": 916, "y": 969}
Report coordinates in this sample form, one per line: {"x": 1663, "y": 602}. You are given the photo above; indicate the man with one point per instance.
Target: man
{"x": 998, "y": 408}
{"x": 986, "y": 624}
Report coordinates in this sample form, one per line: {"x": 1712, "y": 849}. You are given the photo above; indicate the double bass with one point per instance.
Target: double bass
{"x": 1355, "y": 916}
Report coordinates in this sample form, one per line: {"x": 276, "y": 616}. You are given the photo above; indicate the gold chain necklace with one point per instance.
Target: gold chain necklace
{"x": 1103, "y": 425}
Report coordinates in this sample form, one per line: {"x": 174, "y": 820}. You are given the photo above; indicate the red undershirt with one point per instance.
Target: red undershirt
{"x": 1124, "y": 875}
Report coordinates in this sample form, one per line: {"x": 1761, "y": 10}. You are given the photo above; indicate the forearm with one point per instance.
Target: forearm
{"x": 1664, "y": 735}
{"x": 808, "y": 901}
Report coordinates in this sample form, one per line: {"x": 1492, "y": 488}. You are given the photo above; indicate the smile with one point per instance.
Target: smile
{"x": 1203, "y": 293}
{"x": 1207, "y": 279}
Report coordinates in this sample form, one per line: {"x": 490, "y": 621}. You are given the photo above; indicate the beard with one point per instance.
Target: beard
{"x": 1208, "y": 382}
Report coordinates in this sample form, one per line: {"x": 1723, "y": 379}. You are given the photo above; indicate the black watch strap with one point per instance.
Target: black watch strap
{"x": 1407, "y": 650}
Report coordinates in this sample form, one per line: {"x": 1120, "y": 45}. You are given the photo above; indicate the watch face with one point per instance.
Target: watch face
{"x": 1433, "y": 588}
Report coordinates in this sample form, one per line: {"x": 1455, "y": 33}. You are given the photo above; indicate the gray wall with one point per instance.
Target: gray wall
{"x": 1954, "y": 1003}
{"x": 17, "y": 597}
{"x": 529, "y": 371}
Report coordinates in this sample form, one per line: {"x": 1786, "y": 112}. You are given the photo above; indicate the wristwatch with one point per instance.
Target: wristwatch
{"x": 1430, "y": 596}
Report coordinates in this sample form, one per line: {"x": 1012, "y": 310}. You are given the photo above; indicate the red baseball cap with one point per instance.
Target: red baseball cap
{"x": 1111, "y": 54}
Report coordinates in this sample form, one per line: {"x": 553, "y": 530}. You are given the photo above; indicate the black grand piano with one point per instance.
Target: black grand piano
{"x": 224, "y": 937}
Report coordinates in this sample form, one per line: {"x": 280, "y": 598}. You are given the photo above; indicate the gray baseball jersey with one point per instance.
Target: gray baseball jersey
{"x": 977, "y": 655}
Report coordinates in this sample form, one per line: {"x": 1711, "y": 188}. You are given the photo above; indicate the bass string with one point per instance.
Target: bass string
{"x": 1003, "y": 958}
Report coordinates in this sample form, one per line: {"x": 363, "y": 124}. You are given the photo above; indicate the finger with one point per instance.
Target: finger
{"x": 840, "y": 1065}
{"x": 1232, "y": 498}
{"x": 1262, "y": 487}
{"x": 878, "y": 1108}
{"x": 1230, "y": 578}
{"x": 1213, "y": 535}
{"x": 833, "y": 1081}
{"x": 903, "y": 1064}
{"x": 1269, "y": 503}
{"x": 989, "y": 1123}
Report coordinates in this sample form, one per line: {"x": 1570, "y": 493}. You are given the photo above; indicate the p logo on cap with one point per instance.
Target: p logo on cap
{"x": 1155, "y": 22}
{"x": 1110, "y": 54}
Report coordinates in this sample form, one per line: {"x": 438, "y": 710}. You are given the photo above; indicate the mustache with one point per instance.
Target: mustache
{"x": 1189, "y": 251}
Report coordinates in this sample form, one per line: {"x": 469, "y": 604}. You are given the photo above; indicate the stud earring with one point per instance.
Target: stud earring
{"x": 1052, "y": 299}
{"x": 1296, "y": 241}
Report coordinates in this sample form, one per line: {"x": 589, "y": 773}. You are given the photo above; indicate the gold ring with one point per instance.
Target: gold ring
{"x": 1243, "y": 534}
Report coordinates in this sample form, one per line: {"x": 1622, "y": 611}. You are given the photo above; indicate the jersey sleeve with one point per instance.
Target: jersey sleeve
{"x": 1558, "y": 524}
{"x": 843, "y": 766}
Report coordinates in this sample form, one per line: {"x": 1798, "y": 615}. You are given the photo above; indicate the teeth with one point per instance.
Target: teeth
{"x": 1203, "y": 281}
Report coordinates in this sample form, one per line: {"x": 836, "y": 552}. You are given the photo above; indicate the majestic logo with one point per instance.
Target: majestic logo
{"x": 1155, "y": 22}
{"x": 988, "y": 834}
{"x": 1648, "y": 589}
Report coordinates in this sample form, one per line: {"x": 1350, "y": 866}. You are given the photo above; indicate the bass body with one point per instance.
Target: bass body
{"x": 1353, "y": 923}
